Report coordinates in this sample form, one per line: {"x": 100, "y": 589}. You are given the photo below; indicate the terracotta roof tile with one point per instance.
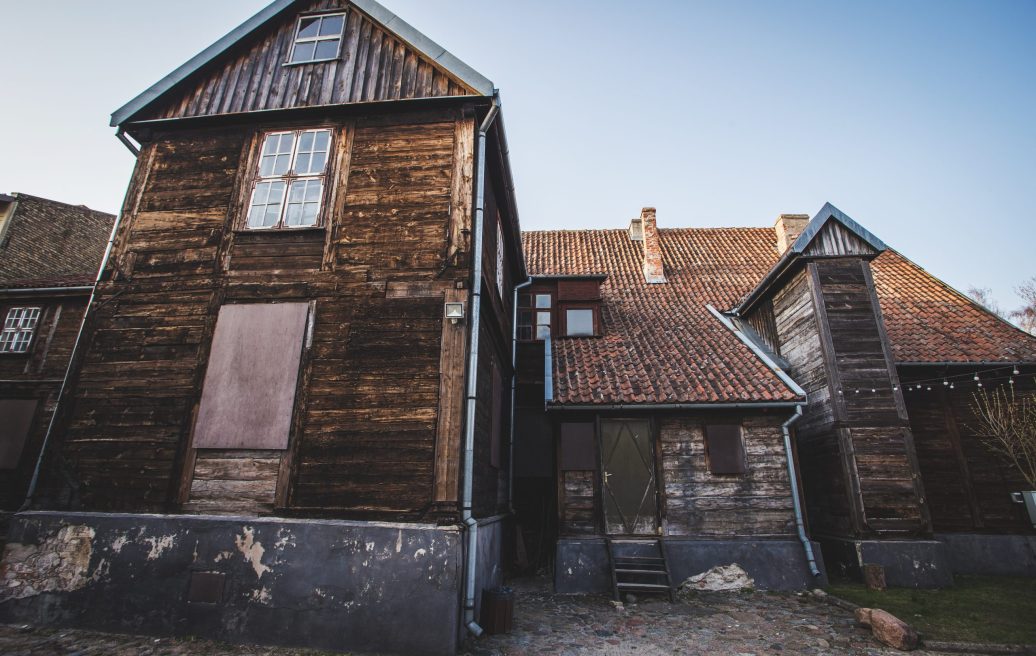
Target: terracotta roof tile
{"x": 660, "y": 344}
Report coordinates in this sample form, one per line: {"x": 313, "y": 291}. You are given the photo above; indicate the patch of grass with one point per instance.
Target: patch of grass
{"x": 977, "y": 609}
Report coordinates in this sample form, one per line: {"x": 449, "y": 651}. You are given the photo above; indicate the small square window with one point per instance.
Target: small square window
{"x": 543, "y": 300}
{"x": 19, "y": 325}
{"x": 579, "y": 322}
{"x": 317, "y": 38}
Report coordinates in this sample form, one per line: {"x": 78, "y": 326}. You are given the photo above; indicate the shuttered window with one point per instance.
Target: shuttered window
{"x": 250, "y": 382}
{"x": 15, "y": 421}
{"x": 578, "y": 447}
{"x": 725, "y": 449}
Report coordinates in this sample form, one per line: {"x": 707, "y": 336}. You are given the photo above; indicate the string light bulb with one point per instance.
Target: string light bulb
{"x": 1015, "y": 370}
{"x": 945, "y": 382}
{"x": 976, "y": 378}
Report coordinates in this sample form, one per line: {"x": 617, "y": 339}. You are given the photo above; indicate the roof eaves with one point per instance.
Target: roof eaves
{"x": 186, "y": 69}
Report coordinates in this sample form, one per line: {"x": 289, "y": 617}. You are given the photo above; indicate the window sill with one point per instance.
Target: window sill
{"x": 310, "y": 61}
{"x": 281, "y": 231}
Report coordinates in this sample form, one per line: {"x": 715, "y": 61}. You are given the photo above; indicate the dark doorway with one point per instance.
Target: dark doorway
{"x": 628, "y": 477}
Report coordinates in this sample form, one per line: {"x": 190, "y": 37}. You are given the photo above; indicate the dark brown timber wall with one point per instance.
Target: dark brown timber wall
{"x": 372, "y": 402}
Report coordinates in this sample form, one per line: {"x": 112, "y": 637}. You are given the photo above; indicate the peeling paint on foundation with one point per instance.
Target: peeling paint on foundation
{"x": 118, "y": 543}
{"x": 159, "y": 545}
{"x": 252, "y": 550}
{"x": 58, "y": 564}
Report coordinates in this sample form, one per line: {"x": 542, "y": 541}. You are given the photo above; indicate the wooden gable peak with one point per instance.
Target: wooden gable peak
{"x": 171, "y": 86}
{"x": 832, "y": 232}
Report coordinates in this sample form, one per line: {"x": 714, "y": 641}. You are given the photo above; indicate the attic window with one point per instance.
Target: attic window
{"x": 317, "y": 38}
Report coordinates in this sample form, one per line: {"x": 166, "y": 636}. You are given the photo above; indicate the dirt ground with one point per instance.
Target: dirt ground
{"x": 720, "y": 624}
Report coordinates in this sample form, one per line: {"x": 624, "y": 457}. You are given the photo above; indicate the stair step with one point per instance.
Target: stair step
{"x": 653, "y": 572}
{"x": 644, "y": 586}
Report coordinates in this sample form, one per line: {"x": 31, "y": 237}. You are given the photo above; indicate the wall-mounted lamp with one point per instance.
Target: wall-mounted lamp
{"x": 454, "y": 312}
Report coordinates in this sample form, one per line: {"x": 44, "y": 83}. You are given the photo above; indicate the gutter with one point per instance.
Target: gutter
{"x": 31, "y": 491}
{"x": 514, "y": 392}
{"x": 807, "y": 546}
{"x": 47, "y": 290}
{"x": 472, "y": 374}
{"x": 759, "y": 353}
{"x": 676, "y": 406}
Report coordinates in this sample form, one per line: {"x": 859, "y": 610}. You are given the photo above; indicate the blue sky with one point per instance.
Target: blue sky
{"x": 915, "y": 118}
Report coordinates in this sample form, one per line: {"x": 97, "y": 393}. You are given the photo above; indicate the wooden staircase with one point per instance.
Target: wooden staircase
{"x": 639, "y": 565}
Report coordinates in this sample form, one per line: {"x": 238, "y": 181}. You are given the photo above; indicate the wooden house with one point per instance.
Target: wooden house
{"x": 49, "y": 256}
{"x": 289, "y": 420}
{"x": 701, "y": 396}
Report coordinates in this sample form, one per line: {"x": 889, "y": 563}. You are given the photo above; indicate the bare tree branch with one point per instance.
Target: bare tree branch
{"x": 1007, "y": 426}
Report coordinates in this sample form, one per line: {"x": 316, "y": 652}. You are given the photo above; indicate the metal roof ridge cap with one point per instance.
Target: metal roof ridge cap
{"x": 184, "y": 70}
{"x": 828, "y": 212}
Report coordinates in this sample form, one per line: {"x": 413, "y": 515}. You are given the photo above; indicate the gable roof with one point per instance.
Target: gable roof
{"x": 824, "y": 219}
{"x": 660, "y": 344}
{"x": 274, "y": 11}
{"x": 52, "y": 244}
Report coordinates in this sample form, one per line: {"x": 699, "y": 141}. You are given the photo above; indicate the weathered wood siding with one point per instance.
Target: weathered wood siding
{"x": 967, "y": 486}
{"x": 699, "y": 503}
{"x": 37, "y": 375}
{"x": 365, "y": 427}
{"x": 824, "y": 470}
{"x": 373, "y": 66}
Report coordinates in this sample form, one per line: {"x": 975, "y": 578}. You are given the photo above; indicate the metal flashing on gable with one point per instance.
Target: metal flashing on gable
{"x": 826, "y": 213}
{"x": 376, "y": 11}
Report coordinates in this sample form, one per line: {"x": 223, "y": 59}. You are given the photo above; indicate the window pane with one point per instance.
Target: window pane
{"x": 266, "y": 203}
{"x": 327, "y": 49}
{"x": 306, "y": 142}
{"x": 543, "y": 318}
{"x": 303, "y": 203}
{"x": 524, "y": 318}
{"x": 312, "y": 152}
{"x": 309, "y": 27}
{"x": 331, "y": 25}
{"x": 543, "y": 300}
{"x": 524, "y": 300}
{"x": 542, "y": 332}
{"x": 303, "y": 52}
{"x": 579, "y": 322}
{"x": 302, "y": 163}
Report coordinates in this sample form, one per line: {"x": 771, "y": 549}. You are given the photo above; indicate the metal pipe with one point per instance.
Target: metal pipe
{"x": 807, "y": 546}
{"x": 548, "y": 371}
{"x": 514, "y": 391}
{"x": 31, "y": 491}
{"x": 676, "y": 406}
{"x": 469, "y": 422}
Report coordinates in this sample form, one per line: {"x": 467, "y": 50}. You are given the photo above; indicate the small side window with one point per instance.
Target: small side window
{"x": 317, "y": 38}
{"x": 725, "y": 449}
{"x": 19, "y": 325}
{"x": 579, "y": 322}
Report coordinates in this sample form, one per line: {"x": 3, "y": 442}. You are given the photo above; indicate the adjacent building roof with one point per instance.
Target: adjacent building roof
{"x": 660, "y": 344}
{"x": 50, "y": 244}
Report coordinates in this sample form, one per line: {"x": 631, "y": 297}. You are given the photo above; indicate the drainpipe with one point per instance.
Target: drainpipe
{"x": 807, "y": 546}
{"x": 514, "y": 392}
{"x": 31, "y": 491}
{"x": 469, "y": 422}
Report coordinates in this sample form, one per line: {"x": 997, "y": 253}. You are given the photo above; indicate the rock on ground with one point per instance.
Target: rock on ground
{"x": 720, "y": 579}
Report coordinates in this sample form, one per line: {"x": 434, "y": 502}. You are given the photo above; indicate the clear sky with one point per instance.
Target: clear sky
{"x": 915, "y": 118}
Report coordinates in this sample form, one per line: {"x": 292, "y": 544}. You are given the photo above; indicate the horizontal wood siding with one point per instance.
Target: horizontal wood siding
{"x": 579, "y": 510}
{"x": 234, "y": 482}
{"x": 699, "y": 503}
{"x": 373, "y": 66}
{"x": 823, "y": 468}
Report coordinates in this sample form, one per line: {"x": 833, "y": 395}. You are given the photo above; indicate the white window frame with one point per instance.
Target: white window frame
{"x": 296, "y": 40}
{"x": 289, "y": 178}
{"x": 18, "y": 329}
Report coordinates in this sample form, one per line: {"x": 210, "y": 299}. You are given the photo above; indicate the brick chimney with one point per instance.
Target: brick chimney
{"x": 788, "y": 228}
{"x": 653, "y": 272}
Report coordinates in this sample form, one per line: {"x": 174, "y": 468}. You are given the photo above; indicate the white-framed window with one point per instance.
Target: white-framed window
{"x": 317, "y": 38}
{"x": 543, "y": 316}
{"x": 19, "y": 324}
{"x": 289, "y": 184}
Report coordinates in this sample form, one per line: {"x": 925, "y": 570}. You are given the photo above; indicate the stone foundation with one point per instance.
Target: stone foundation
{"x": 907, "y": 563}
{"x": 341, "y": 585}
{"x": 582, "y": 563}
{"x": 999, "y": 555}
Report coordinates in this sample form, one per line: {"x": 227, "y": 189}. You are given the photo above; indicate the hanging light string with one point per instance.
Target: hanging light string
{"x": 976, "y": 379}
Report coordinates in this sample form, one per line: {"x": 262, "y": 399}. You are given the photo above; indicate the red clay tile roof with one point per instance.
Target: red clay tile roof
{"x": 928, "y": 321}
{"x": 660, "y": 344}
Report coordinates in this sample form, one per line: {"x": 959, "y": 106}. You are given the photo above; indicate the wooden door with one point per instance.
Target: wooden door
{"x": 628, "y": 481}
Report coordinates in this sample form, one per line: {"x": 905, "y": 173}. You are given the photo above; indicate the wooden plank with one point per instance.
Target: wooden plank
{"x": 450, "y": 421}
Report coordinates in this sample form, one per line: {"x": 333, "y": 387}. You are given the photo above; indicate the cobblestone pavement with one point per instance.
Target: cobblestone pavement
{"x": 720, "y": 624}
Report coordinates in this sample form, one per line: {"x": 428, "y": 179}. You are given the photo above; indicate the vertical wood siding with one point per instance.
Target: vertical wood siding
{"x": 373, "y": 66}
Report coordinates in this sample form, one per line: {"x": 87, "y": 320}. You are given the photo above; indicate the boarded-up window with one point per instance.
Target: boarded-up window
{"x": 578, "y": 446}
{"x": 726, "y": 450}
{"x": 15, "y": 420}
{"x": 250, "y": 382}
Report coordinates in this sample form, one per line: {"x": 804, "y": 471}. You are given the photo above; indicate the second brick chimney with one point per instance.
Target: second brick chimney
{"x": 788, "y": 228}
{"x": 653, "y": 272}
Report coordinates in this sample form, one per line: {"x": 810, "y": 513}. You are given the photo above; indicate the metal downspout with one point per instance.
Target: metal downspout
{"x": 514, "y": 392}
{"x": 795, "y": 501}
{"x": 31, "y": 491}
{"x": 469, "y": 422}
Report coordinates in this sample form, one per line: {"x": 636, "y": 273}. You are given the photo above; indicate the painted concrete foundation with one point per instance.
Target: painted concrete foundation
{"x": 907, "y": 563}
{"x": 340, "y": 585}
{"x": 1000, "y": 555}
{"x": 582, "y": 563}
